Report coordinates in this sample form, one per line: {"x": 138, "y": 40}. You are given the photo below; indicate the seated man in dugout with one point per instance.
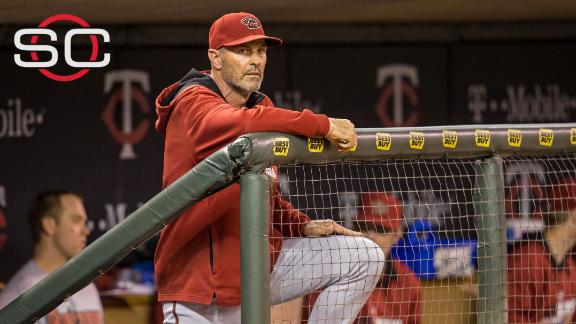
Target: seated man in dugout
{"x": 58, "y": 225}
{"x": 397, "y": 298}
{"x": 541, "y": 266}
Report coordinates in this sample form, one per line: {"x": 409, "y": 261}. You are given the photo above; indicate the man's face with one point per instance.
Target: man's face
{"x": 243, "y": 66}
{"x": 71, "y": 232}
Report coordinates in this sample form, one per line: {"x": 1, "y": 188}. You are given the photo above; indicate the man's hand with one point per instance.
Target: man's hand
{"x": 326, "y": 227}
{"x": 342, "y": 133}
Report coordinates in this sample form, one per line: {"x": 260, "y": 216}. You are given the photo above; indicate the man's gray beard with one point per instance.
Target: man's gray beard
{"x": 238, "y": 87}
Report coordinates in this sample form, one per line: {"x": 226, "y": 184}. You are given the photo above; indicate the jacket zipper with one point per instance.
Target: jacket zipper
{"x": 211, "y": 259}
{"x": 211, "y": 251}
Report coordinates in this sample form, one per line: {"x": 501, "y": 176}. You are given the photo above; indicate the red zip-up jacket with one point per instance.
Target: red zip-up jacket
{"x": 198, "y": 256}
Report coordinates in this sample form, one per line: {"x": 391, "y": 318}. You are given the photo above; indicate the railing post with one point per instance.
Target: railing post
{"x": 491, "y": 305}
{"x": 254, "y": 254}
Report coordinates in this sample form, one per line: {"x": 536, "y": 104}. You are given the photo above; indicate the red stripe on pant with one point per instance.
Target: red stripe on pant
{"x": 174, "y": 312}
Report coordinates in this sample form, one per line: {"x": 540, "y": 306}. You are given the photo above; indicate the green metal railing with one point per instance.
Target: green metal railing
{"x": 245, "y": 158}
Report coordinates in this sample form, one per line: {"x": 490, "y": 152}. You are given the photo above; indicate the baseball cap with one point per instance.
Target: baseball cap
{"x": 383, "y": 209}
{"x": 238, "y": 28}
{"x": 563, "y": 195}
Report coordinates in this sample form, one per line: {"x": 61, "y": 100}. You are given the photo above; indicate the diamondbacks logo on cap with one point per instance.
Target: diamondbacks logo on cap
{"x": 250, "y": 22}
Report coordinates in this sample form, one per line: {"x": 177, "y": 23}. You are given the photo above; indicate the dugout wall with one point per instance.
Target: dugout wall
{"x": 483, "y": 147}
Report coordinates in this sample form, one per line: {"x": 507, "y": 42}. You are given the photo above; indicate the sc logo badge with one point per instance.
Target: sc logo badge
{"x": 34, "y": 47}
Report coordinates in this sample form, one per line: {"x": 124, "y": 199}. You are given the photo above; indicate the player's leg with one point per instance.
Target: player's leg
{"x": 189, "y": 313}
{"x": 345, "y": 268}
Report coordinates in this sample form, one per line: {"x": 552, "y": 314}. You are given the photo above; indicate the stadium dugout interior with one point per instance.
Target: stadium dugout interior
{"x": 464, "y": 166}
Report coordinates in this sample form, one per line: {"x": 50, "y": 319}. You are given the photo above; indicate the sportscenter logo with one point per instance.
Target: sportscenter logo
{"x": 33, "y": 47}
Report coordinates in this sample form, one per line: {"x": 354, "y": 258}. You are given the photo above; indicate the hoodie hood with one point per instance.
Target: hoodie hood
{"x": 164, "y": 102}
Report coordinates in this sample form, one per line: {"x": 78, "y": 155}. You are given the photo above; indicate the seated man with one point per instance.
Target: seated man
{"x": 541, "y": 269}
{"x": 397, "y": 297}
{"x": 58, "y": 226}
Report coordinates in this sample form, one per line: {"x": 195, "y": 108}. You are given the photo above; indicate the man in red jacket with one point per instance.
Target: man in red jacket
{"x": 542, "y": 268}
{"x": 198, "y": 257}
{"x": 397, "y": 298}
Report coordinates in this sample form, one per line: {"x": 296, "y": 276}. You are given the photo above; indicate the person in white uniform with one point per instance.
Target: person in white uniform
{"x": 58, "y": 224}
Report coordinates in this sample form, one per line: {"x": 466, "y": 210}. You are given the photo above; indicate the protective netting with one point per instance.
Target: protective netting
{"x": 541, "y": 216}
{"x": 422, "y": 214}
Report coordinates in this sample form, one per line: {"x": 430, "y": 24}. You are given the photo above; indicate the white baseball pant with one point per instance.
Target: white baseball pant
{"x": 345, "y": 268}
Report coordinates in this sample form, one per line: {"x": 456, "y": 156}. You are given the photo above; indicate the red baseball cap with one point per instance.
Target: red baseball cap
{"x": 563, "y": 195}
{"x": 238, "y": 28}
{"x": 383, "y": 209}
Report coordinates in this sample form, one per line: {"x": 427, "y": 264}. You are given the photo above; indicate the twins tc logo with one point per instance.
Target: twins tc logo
{"x": 126, "y": 96}
{"x": 525, "y": 186}
{"x": 250, "y": 22}
{"x": 391, "y": 107}
{"x": 33, "y": 47}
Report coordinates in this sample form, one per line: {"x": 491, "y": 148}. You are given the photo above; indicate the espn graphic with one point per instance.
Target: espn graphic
{"x": 32, "y": 60}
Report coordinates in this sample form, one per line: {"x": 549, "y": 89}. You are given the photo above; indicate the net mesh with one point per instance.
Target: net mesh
{"x": 422, "y": 214}
{"x": 541, "y": 235}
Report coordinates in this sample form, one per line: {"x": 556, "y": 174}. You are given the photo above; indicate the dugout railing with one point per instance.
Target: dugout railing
{"x": 246, "y": 158}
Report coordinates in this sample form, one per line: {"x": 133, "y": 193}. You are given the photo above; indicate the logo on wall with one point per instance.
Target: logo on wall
{"x": 425, "y": 204}
{"x": 115, "y": 214}
{"x": 524, "y": 195}
{"x": 294, "y": 99}
{"x": 3, "y": 222}
{"x": 33, "y": 47}
{"x": 125, "y": 96}
{"x": 525, "y": 200}
{"x": 17, "y": 121}
{"x": 392, "y": 108}
{"x": 521, "y": 104}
